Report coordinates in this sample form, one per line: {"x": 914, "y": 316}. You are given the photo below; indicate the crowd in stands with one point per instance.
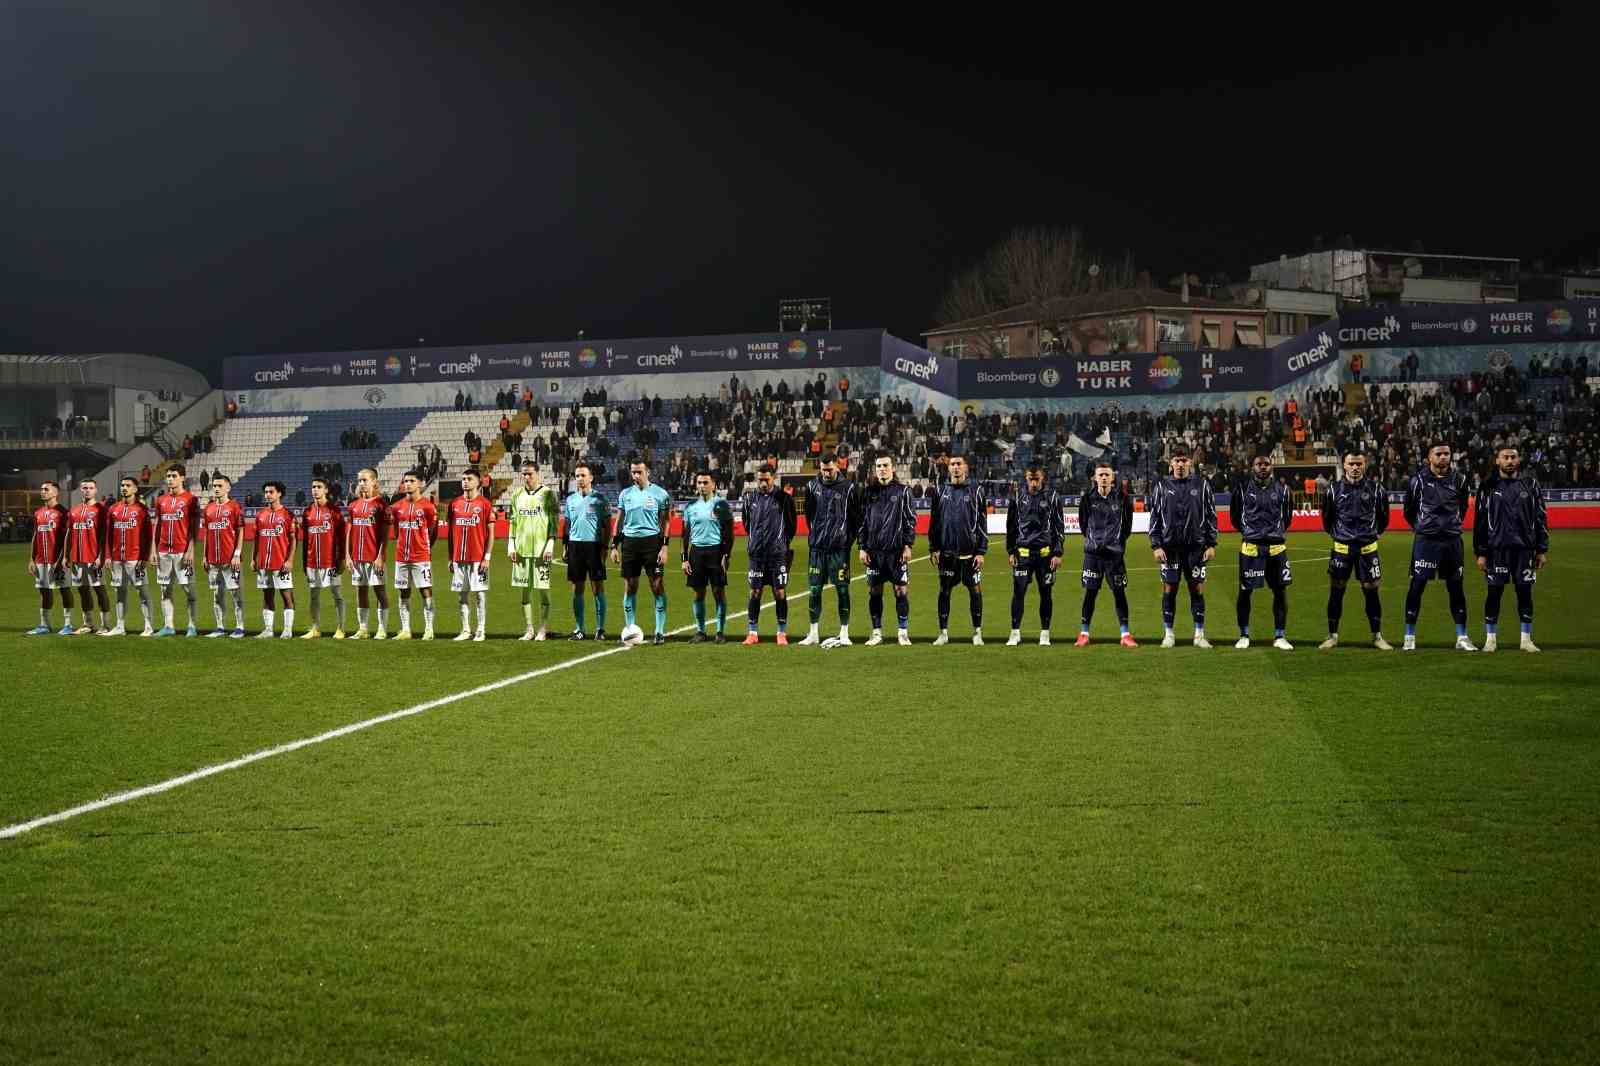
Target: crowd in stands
{"x": 193, "y": 446}
{"x": 356, "y": 437}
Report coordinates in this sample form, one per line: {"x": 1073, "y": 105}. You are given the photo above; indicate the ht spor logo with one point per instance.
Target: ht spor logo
{"x": 1312, "y": 356}
{"x": 1367, "y": 334}
{"x": 923, "y": 371}
{"x": 263, "y": 376}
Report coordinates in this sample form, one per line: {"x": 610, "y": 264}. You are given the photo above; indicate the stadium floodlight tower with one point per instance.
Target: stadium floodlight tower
{"x": 803, "y": 316}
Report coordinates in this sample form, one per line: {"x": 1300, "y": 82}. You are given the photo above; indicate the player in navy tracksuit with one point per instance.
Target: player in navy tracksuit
{"x": 769, "y": 528}
{"x": 1436, "y": 506}
{"x": 1355, "y": 512}
{"x": 1260, "y": 509}
{"x": 1105, "y": 518}
{"x": 888, "y": 529}
{"x": 1183, "y": 536}
{"x": 1035, "y": 529}
{"x": 833, "y": 522}
{"x": 1511, "y": 540}
{"x": 958, "y": 536}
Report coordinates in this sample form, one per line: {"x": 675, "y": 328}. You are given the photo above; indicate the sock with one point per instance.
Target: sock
{"x": 166, "y": 609}
{"x": 902, "y": 609}
{"x": 144, "y": 604}
{"x": 189, "y": 596}
{"x": 238, "y": 608}
{"x": 843, "y": 590}
{"x": 483, "y": 610}
{"x": 427, "y": 613}
{"x": 1525, "y": 608}
{"x": 1169, "y": 606}
{"x": 700, "y": 616}
{"x": 1047, "y": 605}
{"x": 1414, "y": 603}
{"x": 661, "y": 613}
{"x": 1197, "y": 608}
{"x": 600, "y": 610}
{"x": 44, "y": 616}
{"x": 544, "y": 607}
{"x": 1336, "y": 606}
{"x": 578, "y": 609}
{"x": 1374, "y": 605}
{"x": 466, "y": 614}
{"x": 216, "y": 608}
{"x": 266, "y": 619}
{"x": 383, "y": 619}
{"x": 1458, "y": 605}
{"x": 1242, "y": 611}
{"x": 361, "y": 617}
{"x": 875, "y": 605}
{"x": 288, "y": 619}
{"x": 1280, "y": 611}
{"x": 944, "y": 606}
{"x": 1120, "y": 598}
{"x": 122, "y": 607}
{"x": 722, "y": 616}
{"x": 316, "y": 608}
{"x": 1019, "y": 593}
{"x": 752, "y": 611}
{"x": 1086, "y": 615}
{"x": 338, "y": 608}
{"x": 629, "y": 603}
{"x": 527, "y": 609}
{"x": 405, "y": 615}
{"x": 814, "y": 601}
{"x": 781, "y": 609}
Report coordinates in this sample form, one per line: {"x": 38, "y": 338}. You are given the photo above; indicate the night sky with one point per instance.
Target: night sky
{"x": 222, "y": 178}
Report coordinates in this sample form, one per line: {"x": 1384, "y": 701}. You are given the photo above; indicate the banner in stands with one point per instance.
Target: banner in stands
{"x": 1441, "y": 325}
{"x": 725, "y": 354}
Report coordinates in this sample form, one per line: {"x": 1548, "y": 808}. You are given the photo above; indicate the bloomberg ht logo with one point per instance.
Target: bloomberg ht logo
{"x": 915, "y": 368}
{"x": 1312, "y": 356}
{"x": 467, "y": 366}
{"x": 1385, "y": 331}
{"x": 285, "y": 374}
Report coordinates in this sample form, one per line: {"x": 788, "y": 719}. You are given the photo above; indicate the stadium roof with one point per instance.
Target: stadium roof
{"x": 127, "y": 370}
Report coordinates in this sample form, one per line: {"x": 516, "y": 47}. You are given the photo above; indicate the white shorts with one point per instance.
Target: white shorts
{"x": 282, "y": 580}
{"x": 413, "y": 575}
{"x": 48, "y": 577}
{"x": 125, "y": 572}
{"x": 84, "y": 574}
{"x": 469, "y": 577}
{"x": 219, "y": 577}
{"x": 174, "y": 566}
{"x": 323, "y": 578}
{"x": 369, "y": 575}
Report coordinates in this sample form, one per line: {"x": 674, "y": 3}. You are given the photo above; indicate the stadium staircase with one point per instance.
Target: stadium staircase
{"x": 441, "y": 429}
{"x": 497, "y": 457}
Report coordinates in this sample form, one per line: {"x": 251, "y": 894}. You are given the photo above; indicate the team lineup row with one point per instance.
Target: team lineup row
{"x": 92, "y": 545}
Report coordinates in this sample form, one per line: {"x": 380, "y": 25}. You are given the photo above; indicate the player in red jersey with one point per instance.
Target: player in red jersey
{"x": 128, "y": 538}
{"x": 274, "y": 559}
{"x": 366, "y": 536}
{"x": 47, "y": 564}
{"x": 222, "y": 529}
{"x": 471, "y": 546}
{"x": 322, "y": 555}
{"x": 176, "y": 518}
{"x": 86, "y": 553}
{"x": 415, "y": 520}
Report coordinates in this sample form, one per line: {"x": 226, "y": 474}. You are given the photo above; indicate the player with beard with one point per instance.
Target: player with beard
{"x": 1435, "y": 507}
{"x": 833, "y": 522}
{"x": 366, "y": 533}
{"x": 888, "y": 530}
{"x": 958, "y": 537}
{"x": 769, "y": 528}
{"x": 222, "y": 526}
{"x": 1183, "y": 536}
{"x": 86, "y": 552}
{"x": 47, "y": 563}
{"x": 1511, "y": 541}
{"x": 1260, "y": 508}
{"x": 1355, "y": 512}
{"x": 1105, "y": 518}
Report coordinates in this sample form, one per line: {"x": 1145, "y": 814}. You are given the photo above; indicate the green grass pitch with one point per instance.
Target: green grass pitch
{"x": 741, "y": 855}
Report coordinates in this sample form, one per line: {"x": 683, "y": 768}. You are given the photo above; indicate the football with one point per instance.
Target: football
{"x": 632, "y": 636}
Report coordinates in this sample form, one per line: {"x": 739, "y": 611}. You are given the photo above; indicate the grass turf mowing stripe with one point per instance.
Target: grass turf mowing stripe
{"x": 11, "y": 831}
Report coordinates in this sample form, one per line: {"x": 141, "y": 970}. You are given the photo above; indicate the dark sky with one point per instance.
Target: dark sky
{"x": 212, "y": 179}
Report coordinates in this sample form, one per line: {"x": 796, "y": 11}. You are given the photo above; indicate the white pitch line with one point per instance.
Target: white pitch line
{"x": 117, "y": 798}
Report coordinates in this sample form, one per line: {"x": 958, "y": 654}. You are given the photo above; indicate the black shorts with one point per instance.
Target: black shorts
{"x": 887, "y": 566}
{"x": 705, "y": 568}
{"x": 639, "y": 556}
{"x": 825, "y": 565}
{"x": 1185, "y": 562}
{"x": 771, "y": 568}
{"x": 1439, "y": 557}
{"x": 1510, "y": 566}
{"x": 1360, "y": 559}
{"x": 955, "y": 568}
{"x": 1033, "y": 564}
{"x": 1264, "y": 564}
{"x": 585, "y": 561}
{"x": 1105, "y": 567}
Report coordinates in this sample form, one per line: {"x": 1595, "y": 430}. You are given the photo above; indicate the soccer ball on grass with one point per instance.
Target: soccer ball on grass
{"x": 632, "y": 636}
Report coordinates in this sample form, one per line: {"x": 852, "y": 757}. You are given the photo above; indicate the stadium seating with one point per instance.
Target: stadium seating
{"x": 444, "y": 429}
{"x": 241, "y": 443}
{"x": 294, "y": 443}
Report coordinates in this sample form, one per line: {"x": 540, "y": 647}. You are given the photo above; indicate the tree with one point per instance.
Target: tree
{"x": 1042, "y": 276}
